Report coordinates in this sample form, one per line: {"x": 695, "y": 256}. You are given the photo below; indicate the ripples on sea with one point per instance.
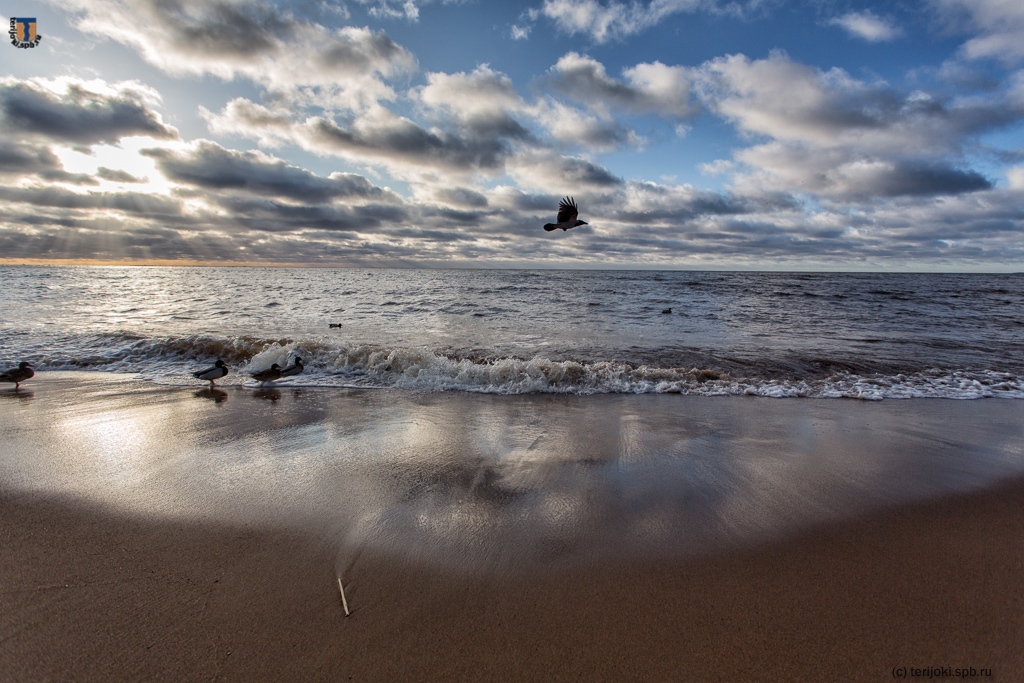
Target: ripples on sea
{"x": 819, "y": 335}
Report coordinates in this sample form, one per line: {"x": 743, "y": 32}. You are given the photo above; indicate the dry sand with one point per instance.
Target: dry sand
{"x": 157, "y": 557}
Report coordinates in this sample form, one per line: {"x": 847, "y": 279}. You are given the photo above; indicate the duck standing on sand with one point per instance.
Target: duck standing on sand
{"x": 269, "y": 375}
{"x": 294, "y": 369}
{"x": 18, "y": 374}
{"x": 218, "y": 370}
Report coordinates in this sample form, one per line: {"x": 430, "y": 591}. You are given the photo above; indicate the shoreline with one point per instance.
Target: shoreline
{"x": 150, "y": 532}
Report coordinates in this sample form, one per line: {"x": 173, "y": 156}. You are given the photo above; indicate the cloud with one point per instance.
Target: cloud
{"x": 519, "y": 32}
{"x": 384, "y": 136}
{"x": 482, "y": 102}
{"x": 545, "y": 170}
{"x": 649, "y": 88}
{"x": 376, "y": 136}
{"x": 841, "y": 173}
{"x": 651, "y": 204}
{"x": 400, "y": 9}
{"x": 209, "y": 166}
{"x": 571, "y": 127}
{"x": 79, "y": 112}
{"x": 869, "y": 26}
{"x": 614, "y": 20}
{"x": 1015, "y": 177}
{"x": 998, "y": 25}
{"x": 127, "y": 202}
{"x": 268, "y": 215}
{"x": 461, "y": 196}
{"x": 343, "y": 67}
{"x": 18, "y": 158}
{"x": 117, "y": 176}
{"x": 383, "y": 9}
{"x": 839, "y": 137}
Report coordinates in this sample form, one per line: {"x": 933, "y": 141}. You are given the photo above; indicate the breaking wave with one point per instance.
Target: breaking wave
{"x": 330, "y": 363}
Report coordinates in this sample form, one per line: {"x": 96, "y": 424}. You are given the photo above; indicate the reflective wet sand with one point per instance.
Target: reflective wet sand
{"x": 497, "y": 537}
{"x": 501, "y": 484}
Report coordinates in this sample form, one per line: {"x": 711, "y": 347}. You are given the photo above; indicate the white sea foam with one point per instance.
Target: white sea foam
{"x": 336, "y": 364}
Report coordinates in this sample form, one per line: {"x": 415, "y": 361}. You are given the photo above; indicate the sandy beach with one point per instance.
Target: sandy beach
{"x": 177, "y": 533}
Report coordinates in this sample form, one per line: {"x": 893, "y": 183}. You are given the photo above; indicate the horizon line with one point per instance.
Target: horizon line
{"x": 187, "y": 263}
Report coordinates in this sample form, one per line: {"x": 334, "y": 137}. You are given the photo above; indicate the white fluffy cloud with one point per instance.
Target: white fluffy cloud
{"x": 835, "y": 136}
{"x": 998, "y": 25}
{"x": 607, "y": 21}
{"x": 376, "y": 136}
{"x": 869, "y": 26}
{"x": 647, "y": 88}
{"x": 77, "y": 111}
{"x": 483, "y": 102}
{"x": 338, "y": 68}
{"x": 400, "y": 9}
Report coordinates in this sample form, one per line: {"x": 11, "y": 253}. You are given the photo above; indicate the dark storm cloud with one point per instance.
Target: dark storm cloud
{"x": 213, "y": 167}
{"x": 77, "y": 116}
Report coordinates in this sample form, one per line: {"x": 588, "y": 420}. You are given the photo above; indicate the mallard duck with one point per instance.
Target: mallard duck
{"x": 218, "y": 370}
{"x": 268, "y": 375}
{"x": 18, "y": 374}
{"x": 293, "y": 369}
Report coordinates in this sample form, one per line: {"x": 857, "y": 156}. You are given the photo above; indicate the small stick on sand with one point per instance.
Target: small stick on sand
{"x": 344, "y": 602}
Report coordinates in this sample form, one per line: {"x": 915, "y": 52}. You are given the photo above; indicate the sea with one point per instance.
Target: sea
{"x": 787, "y": 335}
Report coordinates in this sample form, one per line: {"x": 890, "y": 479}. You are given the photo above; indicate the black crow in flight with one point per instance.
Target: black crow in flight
{"x": 568, "y": 216}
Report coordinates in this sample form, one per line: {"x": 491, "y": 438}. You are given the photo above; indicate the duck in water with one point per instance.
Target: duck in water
{"x": 268, "y": 375}
{"x": 294, "y": 369}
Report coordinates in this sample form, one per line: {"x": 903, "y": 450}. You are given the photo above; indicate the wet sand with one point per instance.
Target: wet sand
{"x": 163, "y": 533}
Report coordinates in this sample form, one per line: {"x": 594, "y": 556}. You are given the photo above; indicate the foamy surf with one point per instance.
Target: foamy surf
{"x": 333, "y": 363}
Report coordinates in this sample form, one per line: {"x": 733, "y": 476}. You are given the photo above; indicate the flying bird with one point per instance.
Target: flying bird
{"x": 18, "y": 374}
{"x": 293, "y": 369}
{"x": 568, "y": 216}
{"x": 218, "y": 370}
{"x": 269, "y": 375}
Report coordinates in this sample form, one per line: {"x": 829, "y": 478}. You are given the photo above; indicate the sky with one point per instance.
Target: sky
{"x": 693, "y": 134}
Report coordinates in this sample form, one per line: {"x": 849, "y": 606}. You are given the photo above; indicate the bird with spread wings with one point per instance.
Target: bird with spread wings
{"x": 568, "y": 216}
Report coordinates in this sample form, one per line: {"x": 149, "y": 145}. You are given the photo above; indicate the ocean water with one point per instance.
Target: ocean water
{"x": 814, "y": 335}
